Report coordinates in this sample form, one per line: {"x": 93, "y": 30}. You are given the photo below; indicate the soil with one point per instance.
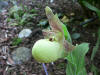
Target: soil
{"x": 32, "y": 67}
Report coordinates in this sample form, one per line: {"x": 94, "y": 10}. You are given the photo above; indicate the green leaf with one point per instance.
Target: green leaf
{"x": 16, "y": 16}
{"x": 76, "y": 60}
{"x": 13, "y": 24}
{"x": 33, "y": 11}
{"x": 95, "y": 70}
{"x": 97, "y": 46}
{"x": 16, "y": 41}
{"x": 71, "y": 71}
{"x": 15, "y": 9}
{"x": 91, "y": 7}
{"x": 66, "y": 33}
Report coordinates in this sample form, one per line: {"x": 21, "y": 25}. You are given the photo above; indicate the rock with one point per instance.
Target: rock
{"x": 3, "y": 4}
{"x": 25, "y": 33}
{"x": 51, "y": 1}
{"x": 76, "y": 36}
{"x": 90, "y": 73}
{"x": 21, "y": 55}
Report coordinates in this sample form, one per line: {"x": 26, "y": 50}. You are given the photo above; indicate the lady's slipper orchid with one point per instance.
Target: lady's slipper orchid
{"x": 47, "y": 51}
{"x": 54, "y": 46}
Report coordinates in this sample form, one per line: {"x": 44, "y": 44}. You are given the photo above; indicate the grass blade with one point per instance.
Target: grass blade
{"x": 97, "y": 46}
{"x": 91, "y": 7}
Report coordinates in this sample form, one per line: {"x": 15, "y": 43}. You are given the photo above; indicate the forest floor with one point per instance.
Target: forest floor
{"x": 32, "y": 67}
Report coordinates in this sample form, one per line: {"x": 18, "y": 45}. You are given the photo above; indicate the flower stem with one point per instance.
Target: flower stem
{"x": 45, "y": 68}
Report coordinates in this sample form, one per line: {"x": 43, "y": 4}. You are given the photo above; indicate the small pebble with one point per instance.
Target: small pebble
{"x": 25, "y": 33}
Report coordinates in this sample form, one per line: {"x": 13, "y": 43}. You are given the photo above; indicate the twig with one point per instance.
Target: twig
{"x": 89, "y": 20}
